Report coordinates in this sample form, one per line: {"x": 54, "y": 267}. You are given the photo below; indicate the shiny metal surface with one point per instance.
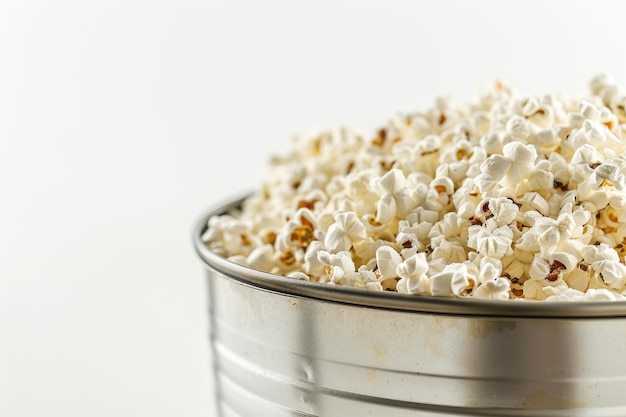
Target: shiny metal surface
{"x": 289, "y": 348}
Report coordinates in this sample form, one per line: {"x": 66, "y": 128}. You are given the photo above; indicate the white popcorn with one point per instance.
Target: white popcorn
{"x": 566, "y": 261}
{"x": 518, "y": 264}
{"x": 463, "y": 284}
{"x": 299, "y": 275}
{"x": 410, "y": 244}
{"x": 541, "y": 290}
{"x": 569, "y": 294}
{"x": 239, "y": 260}
{"x": 541, "y": 178}
{"x": 340, "y": 268}
{"x": 539, "y": 269}
{"x": 560, "y": 168}
{"x": 579, "y": 278}
{"x": 414, "y": 267}
{"x": 437, "y": 200}
{"x": 507, "y": 197}
{"x": 412, "y": 273}
{"x": 232, "y": 235}
{"x": 441, "y": 283}
{"x": 312, "y": 265}
{"x": 491, "y": 143}
{"x": 454, "y": 280}
{"x": 370, "y": 279}
{"x": 604, "y": 261}
{"x": 493, "y": 289}
{"x": 420, "y": 214}
{"x": 443, "y": 185}
{"x": 553, "y": 240}
{"x": 496, "y": 167}
{"x": 503, "y": 209}
{"x": 486, "y": 183}
{"x": 449, "y": 251}
{"x": 518, "y": 126}
{"x": 490, "y": 240}
{"x": 601, "y": 295}
{"x": 261, "y": 258}
{"x": 613, "y": 273}
{"x": 419, "y": 230}
{"x": 537, "y": 202}
{"x": 387, "y": 260}
{"x": 436, "y": 265}
{"x": 460, "y": 161}
{"x": 363, "y": 198}
{"x": 522, "y": 158}
{"x": 346, "y": 229}
{"x": 395, "y": 199}
{"x": 546, "y": 140}
{"x": 451, "y": 227}
{"x": 607, "y": 174}
{"x": 598, "y": 83}
{"x": 490, "y": 268}
{"x": 373, "y": 226}
{"x": 365, "y": 250}
{"x": 298, "y": 232}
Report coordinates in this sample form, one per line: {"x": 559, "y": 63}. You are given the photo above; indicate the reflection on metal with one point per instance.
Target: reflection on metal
{"x": 290, "y": 348}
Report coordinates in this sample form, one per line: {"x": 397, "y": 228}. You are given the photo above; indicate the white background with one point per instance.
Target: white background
{"x": 122, "y": 121}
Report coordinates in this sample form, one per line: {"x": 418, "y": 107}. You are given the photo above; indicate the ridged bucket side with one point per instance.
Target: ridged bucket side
{"x": 284, "y": 355}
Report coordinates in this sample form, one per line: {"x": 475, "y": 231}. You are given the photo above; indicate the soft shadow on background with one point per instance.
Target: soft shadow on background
{"x": 121, "y": 122}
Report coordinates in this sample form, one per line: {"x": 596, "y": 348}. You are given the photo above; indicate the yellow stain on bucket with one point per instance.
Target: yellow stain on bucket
{"x": 481, "y": 329}
{"x": 541, "y": 400}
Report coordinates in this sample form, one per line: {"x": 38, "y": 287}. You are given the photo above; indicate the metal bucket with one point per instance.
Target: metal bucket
{"x": 284, "y": 347}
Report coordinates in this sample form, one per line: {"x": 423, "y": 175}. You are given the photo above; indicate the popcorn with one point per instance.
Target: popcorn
{"x": 346, "y": 229}
{"x": 607, "y": 174}
{"x": 605, "y": 262}
{"x": 261, "y": 258}
{"x": 503, "y": 209}
{"x": 493, "y": 289}
{"x": 388, "y": 261}
{"x": 504, "y": 198}
{"x": 298, "y": 232}
{"x": 450, "y": 251}
{"x": 602, "y": 295}
{"x": 412, "y": 273}
{"x": 311, "y": 263}
{"x": 410, "y": 244}
{"x": 395, "y": 199}
{"x": 569, "y": 294}
{"x": 298, "y": 275}
{"x": 340, "y": 268}
{"x": 456, "y": 279}
{"x": 537, "y": 202}
{"x": 490, "y": 240}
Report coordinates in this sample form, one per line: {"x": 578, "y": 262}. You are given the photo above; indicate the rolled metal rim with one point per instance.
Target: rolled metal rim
{"x": 388, "y": 300}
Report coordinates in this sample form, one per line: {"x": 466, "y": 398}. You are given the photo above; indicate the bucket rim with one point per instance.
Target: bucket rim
{"x": 389, "y": 300}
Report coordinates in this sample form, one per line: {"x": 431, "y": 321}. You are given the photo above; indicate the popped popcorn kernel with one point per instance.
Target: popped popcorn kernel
{"x": 505, "y": 197}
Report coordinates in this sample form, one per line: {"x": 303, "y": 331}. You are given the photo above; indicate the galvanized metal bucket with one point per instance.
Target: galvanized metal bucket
{"x": 284, "y": 347}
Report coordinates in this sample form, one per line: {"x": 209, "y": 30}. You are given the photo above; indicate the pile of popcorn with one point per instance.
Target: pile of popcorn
{"x": 507, "y": 197}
